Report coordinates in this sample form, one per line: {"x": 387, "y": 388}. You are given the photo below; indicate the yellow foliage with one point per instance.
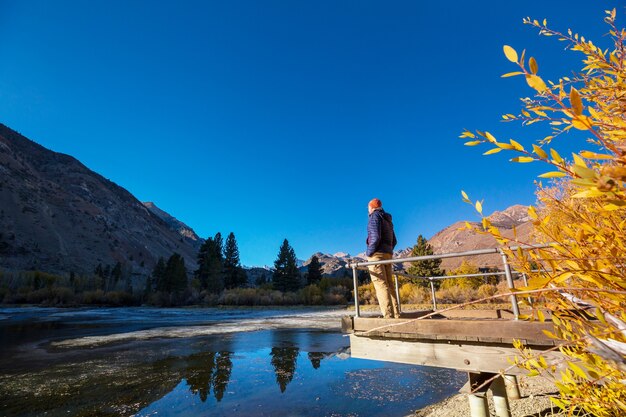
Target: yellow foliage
{"x": 466, "y": 268}
{"x": 582, "y": 218}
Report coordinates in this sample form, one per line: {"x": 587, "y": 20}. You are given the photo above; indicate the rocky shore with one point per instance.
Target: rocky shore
{"x": 535, "y": 402}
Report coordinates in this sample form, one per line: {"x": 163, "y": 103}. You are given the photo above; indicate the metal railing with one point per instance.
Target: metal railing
{"x": 507, "y": 273}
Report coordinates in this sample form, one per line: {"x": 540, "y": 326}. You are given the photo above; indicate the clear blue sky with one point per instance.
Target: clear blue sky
{"x": 282, "y": 119}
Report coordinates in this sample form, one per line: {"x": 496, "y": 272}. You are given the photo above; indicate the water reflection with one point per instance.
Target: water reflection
{"x": 206, "y": 370}
{"x": 316, "y": 358}
{"x": 284, "y": 361}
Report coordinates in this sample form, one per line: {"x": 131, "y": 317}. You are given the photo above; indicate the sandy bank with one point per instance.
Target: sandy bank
{"x": 535, "y": 402}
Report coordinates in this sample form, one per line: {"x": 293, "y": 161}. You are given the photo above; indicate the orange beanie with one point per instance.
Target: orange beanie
{"x": 375, "y": 203}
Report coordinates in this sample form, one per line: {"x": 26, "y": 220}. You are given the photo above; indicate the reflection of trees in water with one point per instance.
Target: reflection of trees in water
{"x": 316, "y": 358}
{"x": 284, "y": 361}
{"x": 208, "y": 369}
{"x": 222, "y": 374}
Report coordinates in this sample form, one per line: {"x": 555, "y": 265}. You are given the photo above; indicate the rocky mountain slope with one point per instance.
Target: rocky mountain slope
{"x": 59, "y": 216}
{"x": 452, "y": 239}
{"x": 188, "y": 234}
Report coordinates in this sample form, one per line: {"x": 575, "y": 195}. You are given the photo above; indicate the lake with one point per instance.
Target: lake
{"x": 199, "y": 362}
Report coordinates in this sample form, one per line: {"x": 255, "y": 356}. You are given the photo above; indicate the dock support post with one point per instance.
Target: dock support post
{"x": 479, "y": 407}
{"x": 476, "y": 388}
{"x": 500, "y": 399}
{"x": 512, "y": 387}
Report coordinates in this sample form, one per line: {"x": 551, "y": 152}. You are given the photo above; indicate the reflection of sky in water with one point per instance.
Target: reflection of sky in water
{"x": 201, "y": 362}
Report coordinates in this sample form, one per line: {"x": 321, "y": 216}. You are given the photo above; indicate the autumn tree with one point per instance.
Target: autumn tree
{"x": 580, "y": 216}
{"x": 466, "y": 268}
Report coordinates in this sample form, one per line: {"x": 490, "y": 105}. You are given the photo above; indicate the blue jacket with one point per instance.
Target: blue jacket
{"x": 380, "y": 235}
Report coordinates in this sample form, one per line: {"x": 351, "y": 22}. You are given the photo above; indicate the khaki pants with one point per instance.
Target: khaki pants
{"x": 383, "y": 283}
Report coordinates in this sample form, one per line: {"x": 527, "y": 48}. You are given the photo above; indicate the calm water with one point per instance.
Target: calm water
{"x": 199, "y": 362}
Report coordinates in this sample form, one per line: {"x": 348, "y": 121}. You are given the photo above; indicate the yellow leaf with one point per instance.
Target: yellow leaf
{"x": 532, "y": 213}
{"x": 542, "y": 318}
{"x": 479, "y": 207}
{"x": 553, "y": 174}
{"x": 555, "y": 155}
{"x": 504, "y": 145}
{"x": 490, "y": 137}
{"x": 579, "y": 161}
{"x": 523, "y": 159}
{"x": 581, "y": 122}
{"x": 577, "y": 370}
{"x": 593, "y": 155}
{"x": 588, "y": 194}
{"x": 511, "y": 74}
{"x": 510, "y": 53}
{"x": 533, "y": 65}
{"x": 536, "y": 82}
{"x": 583, "y": 172}
{"x": 464, "y": 195}
{"x": 574, "y": 98}
{"x": 492, "y": 151}
{"x": 516, "y": 145}
{"x": 540, "y": 152}
{"x": 473, "y": 143}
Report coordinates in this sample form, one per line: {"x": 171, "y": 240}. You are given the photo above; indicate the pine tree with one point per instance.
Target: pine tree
{"x": 286, "y": 275}
{"x": 315, "y": 271}
{"x": 426, "y": 268}
{"x": 234, "y": 275}
{"x": 157, "y": 279}
{"x": 116, "y": 274}
{"x": 175, "y": 274}
{"x": 210, "y": 265}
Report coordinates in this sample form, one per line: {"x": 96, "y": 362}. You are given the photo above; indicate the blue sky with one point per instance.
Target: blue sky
{"x": 282, "y": 119}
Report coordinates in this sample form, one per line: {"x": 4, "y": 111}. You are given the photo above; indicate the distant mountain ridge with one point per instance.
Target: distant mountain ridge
{"x": 185, "y": 231}
{"x": 59, "y": 216}
{"x": 448, "y": 240}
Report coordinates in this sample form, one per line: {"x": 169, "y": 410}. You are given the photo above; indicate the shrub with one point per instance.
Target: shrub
{"x": 413, "y": 294}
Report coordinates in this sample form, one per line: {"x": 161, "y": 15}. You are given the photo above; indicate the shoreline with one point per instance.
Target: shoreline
{"x": 535, "y": 402}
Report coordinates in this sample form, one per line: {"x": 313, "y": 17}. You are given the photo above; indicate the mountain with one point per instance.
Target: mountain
{"x": 59, "y": 216}
{"x": 453, "y": 239}
{"x": 334, "y": 266}
{"x": 185, "y": 231}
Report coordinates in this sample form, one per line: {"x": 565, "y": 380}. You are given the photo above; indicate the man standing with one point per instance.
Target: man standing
{"x": 381, "y": 240}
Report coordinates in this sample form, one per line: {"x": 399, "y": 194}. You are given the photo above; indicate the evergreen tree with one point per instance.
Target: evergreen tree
{"x": 219, "y": 242}
{"x": 175, "y": 274}
{"x": 116, "y": 274}
{"x": 156, "y": 282}
{"x": 234, "y": 275}
{"x": 426, "y": 268}
{"x": 210, "y": 265}
{"x": 315, "y": 271}
{"x": 286, "y": 275}
{"x": 260, "y": 280}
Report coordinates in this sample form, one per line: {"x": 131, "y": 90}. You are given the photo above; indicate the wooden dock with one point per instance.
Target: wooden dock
{"x": 479, "y": 342}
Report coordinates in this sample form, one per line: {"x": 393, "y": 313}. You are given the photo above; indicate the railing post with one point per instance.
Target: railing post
{"x": 356, "y": 292}
{"x": 397, "y": 293}
{"x": 432, "y": 293}
{"x": 509, "y": 281}
{"x": 530, "y": 299}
